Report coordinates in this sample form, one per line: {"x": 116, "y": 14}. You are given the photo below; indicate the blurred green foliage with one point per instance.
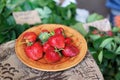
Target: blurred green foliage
{"x": 48, "y": 10}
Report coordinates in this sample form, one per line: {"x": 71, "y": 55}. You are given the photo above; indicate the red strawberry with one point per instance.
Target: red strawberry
{"x": 109, "y": 33}
{"x": 68, "y": 40}
{"x": 57, "y": 41}
{"x": 51, "y": 56}
{"x": 35, "y": 51}
{"x": 70, "y": 51}
{"x": 95, "y": 32}
{"x": 30, "y": 37}
{"x": 59, "y": 30}
{"x": 46, "y": 46}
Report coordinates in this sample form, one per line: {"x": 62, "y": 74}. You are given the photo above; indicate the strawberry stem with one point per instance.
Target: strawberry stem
{"x": 52, "y": 33}
{"x": 29, "y": 43}
{"x": 58, "y": 51}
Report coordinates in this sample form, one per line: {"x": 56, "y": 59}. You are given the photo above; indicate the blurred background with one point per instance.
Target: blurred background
{"x": 98, "y": 6}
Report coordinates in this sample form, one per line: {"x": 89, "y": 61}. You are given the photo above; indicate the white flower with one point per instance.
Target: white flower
{"x": 65, "y": 3}
{"x": 81, "y": 15}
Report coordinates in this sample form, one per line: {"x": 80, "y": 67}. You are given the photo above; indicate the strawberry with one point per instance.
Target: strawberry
{"x": 70, "y": 51}
{"x": 95, "y": 32}
{"x": 34, "y": 51}
{"x": 46, "y": 46}
{"x": 30, "y": 37}
{"x": 68, "y": 40}
{"x": 51, "y": 56}
{"x": 109, "y": 33}
{"x": 57, "y": 41}
{"x": 59, "y": 30}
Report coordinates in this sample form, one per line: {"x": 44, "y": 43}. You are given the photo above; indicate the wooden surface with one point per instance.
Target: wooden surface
{"x": 65, "y": 62}
{"x": 11, "y": 68}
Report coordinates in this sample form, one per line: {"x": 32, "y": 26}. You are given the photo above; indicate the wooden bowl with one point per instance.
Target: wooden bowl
{"x": 65, "y": 62}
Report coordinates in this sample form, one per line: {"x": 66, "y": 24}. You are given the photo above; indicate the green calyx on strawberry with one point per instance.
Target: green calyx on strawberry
{"x": 30, "y": 37}
{"x": 44, "y": 36}
{"x": 35, "y": 51}
{"x": 70, "y": 51}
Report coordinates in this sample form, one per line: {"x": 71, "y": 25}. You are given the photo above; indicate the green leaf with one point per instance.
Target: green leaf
{"x": 52, "y": 5}
{"x": 62, "y": 11}
{"x": 69, "y": 14}
{"x": 5, "y": 28}
{"x": 115, "y": 29}
{"x": 44, "y": 13}
{"x": 98, "y": 42}
{"x": 94, "y": 17}
{"x": 45, "y": 20}
{"x": 79, "y": 28}
{"x": 118, "y": 50}
{"x": 10, "y": 20}
{"x": 114, "y": 46}
{"x": 12, "y": 4}
{"x": 117, "y": 39}
{"x": 100, "y": 56}
{"x": 92, "y": 50}
{"x": 118, "y": 61}
{"x": 106, "y": 42}
{"x": 57, "y": 19}
{"x": 7, "y": 12}
{"x": 34, "y": 3}
{"x": 95, "y": 56}
{"x": 17, "y": 9}
{"x": 117, "y": 76}
{"x": 27, "y": 6}
{"x": 43, "y": 2}
{"x": 72, "y": 6}
{"x": 13, "y": 35}
{"x": 111, "y": 46}
{"x": 108, "y": 54}
{"x": 2, "y": 5}
{"x": 94, "y": 37}
{"x": 19, "y": 29}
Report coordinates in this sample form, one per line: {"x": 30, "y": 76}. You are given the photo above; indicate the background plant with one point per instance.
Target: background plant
{"x": 48, "y": 10}
{"x": 105, "y": 48}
